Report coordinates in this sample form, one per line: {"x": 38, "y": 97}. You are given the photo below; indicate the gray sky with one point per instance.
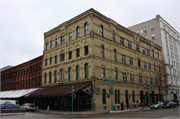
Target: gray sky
{"x": 23, "y": 22}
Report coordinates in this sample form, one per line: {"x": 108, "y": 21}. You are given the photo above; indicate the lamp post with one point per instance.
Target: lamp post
{"x": 171, "y": 89}
{"x": 147, "y": 85}
{"x": 110, "y": 79}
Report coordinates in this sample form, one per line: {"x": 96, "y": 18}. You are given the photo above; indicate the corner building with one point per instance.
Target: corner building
{"x": 91, "y": 47}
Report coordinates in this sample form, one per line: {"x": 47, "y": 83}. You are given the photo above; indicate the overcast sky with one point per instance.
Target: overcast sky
{"x": 23, "y": 22}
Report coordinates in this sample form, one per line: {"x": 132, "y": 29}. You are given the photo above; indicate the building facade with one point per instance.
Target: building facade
{"x": 23, "y": 76}
{"x": 88, "y": 49}
{"x": 161, "y": 32}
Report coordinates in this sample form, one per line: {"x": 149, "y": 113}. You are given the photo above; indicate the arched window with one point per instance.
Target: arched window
{"x": 77, "y": 31}
{"x": 86, "y": 28}
{"x": 102, "y": 51}
{"x": 115, "y": 55}
{"x": 101, "y": 30}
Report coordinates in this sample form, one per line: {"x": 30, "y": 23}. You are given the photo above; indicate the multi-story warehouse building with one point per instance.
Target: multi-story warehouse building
{"x": 84, "y": 51}
{"x": 23, "y": 76}
{"x": 162, "y": 33}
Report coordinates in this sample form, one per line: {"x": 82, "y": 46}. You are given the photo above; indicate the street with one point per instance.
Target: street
{"x": 152, "y": 113}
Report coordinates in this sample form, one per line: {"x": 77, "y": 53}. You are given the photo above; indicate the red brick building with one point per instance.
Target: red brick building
{"x": 23, "y": 76}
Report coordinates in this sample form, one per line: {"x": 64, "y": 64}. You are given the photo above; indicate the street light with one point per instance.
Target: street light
{"x": 147, "y": 85}
{"x": 111, "y": 78}
{"x": 171, "y": 89}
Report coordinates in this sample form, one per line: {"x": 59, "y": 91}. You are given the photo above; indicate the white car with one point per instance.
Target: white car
{"x": 157, "y": 105}
{"x": 29, "y": 107}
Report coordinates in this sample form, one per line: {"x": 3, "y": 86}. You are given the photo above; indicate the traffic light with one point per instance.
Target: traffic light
{"x": 73, "y": 92}
{"x": 108, "y": 95}
{"x": 109, "y": 89}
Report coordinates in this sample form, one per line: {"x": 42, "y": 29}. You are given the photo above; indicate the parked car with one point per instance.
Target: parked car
{"x": 157, "y": 105}
{"x": 29, "y": 107}
{"x": 169, "y": 104}
{"x": 8, "y": 105}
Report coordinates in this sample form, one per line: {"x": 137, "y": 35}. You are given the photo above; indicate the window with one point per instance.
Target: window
{"x": 39, "y": 80}
{"x": 101, "y": 30}
{"x": 171, "y": 80}
{"x": 148, "y": 53}
{"x": 129, "y": 44}
{"x": 167, "y": 52}
{"x": 86, "y": 50}
{"x": 46, "y": 46}
{"x": 174, "y": 72}
{"x": 113, "y": 37}
{"x": 123, "y": 59}
{"x": 170, "y": 71}
{"x": 141, "y": 31}
{"x": 152, "y": 28}
{"x": 62, "y": 39}
{"x": 115, "y": 59}
{"x": 69, "y": 74}
{"x": 77, "y": 52}
{"x": 44, "y": 78}
{"x": 124, "y": 77}
{"x": 137, "y": 47}
{"x": 49, "y": 77}
{"x": 102, "y": 51}
{"x": 61, "y": 74}
{"x": 145, "y": 66}
{"x": 55, "y": 59}
{"x": 166, "y": 43}
{"x": 70, "y": 36}
{"x": 55, "y": 76}
{"x": 51, "y": 44}
{"x": 146, "y": 80}
{"x": 103, "y": 72}
{"x": 86, "y": 71}
{"x": 27, "y": 69}
{"x": 56, "y": 42}
{"x": 40, "y": 66}
{"x": 118, "y": 97}
{"x": 115, "y": 97}
{"x": 172, "y": 55}
{"x": 132, "y": 77}
{"x": 165, "y": 35}
{"x": 77, "y": 73}
{"x": 158, "y": 55}
{"x": 62, "y": 57}
{"x": 115, "y": 75}
{"x": 50, "y": 61}
{"x": 151, "y": 82}
{"x": 121, "y": 40}
{"x": 177, "y": 65}
{"x": 153, "y": 52}
{"x": 153, "y": 36}
{"x": 70, "y": 55}
{"x": 104, "y": 97}
{"x": 45, "y": 63}
{"x": 77, "y": 31}
{"x": 137, "y": 32}
{"x": 133, "y": 96}
{"x": 86, "y": 28}
{"x": 156, "y": 81}
{"x": 139, "y": 63}
{"x": 145, "y": 31}
{"x": 140, "y": 79}
{"x": 131, "y": 60}
{"x": 143, "y": 50}
{"x": 149, "y": 66}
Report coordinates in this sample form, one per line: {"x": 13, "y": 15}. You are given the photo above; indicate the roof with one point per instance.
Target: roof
{"x": 60, "y": 90}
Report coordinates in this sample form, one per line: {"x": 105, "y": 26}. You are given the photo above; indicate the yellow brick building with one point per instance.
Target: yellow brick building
{"x": 91, "y": 47}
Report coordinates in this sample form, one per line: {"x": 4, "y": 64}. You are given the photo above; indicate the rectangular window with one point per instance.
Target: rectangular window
{"x": 115, "y": 75}
{"x": 103, "y": 73}
{"x": 130, "y": 60}
{"x": 124, "y": 77}
{"x": 129, "y": 44}
{"x": 56, "y": 42}
{"x": 39, "y": 80}
{"x": 46, "y": 46}
{"x": 62, "y": 57}
{"x": 77, "y": 73}
{"x": 132, "y": 77}
{"x": 118, "y": 97}
{"x": 139, "y": 63}
{"x": 149, "y": 66}
{"x": 137, "y": 47}
{"x": 62, "y": 39}
{"x": 55, "y": 77}
{"x": 69, "y": 74}
{"x": 145, "y": 31}
{"x": 70, "y": 55}
{"x": 133, "y": 96}
{"x": 40, "y": 66}
{"x": 51, "y": 44}
{"x": 55, "y": 59}
{"x": 104, "y": 97}
{"x": 113, "y": 37}
{"x": 121, "y": 41}
{"x": 141, "y": 31}
{"x": 140, "y": 79}
{"x": 148, "y": 53}
{"x": 27, "y": 70}
{"x": 146, "y": 80}
{"x": 50, "y": 60}
{"x": 49, "y": 77}
{"x": 151, "y": 82}
{"x": 115, "y": 96}
{"x": 86, "y": 50}
{"x": 77, "y": 52}
{"x": 86, "y": 71}
{"x": 45, "y": 78}
{"x": 61, "y": 74}
{"x": 153, "y": 36}
{"x": 145, "y": 66}
{"x": 143, "y": 50}
{"x": 45, "y": 63}
{"x": 70, "y": 36}
{"x": 123, "y": 59}
{"x": 153, "y": 52}
{"x": 152, "y": 28}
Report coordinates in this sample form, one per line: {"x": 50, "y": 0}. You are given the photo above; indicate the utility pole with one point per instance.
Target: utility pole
{"x": 147, "y": 85}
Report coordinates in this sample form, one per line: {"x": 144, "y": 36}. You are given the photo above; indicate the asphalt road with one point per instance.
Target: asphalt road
{"x": 169, "y": 113}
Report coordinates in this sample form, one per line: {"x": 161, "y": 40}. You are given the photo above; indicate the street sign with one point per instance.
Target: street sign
{"x": 92, "y": 99}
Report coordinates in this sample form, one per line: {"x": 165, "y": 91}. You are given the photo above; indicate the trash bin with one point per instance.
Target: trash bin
{"x": 122, "y": 106}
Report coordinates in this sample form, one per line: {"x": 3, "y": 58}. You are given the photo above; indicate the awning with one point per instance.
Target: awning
{"x": 60, "y": 90}
{"x": 17, "y": 93}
